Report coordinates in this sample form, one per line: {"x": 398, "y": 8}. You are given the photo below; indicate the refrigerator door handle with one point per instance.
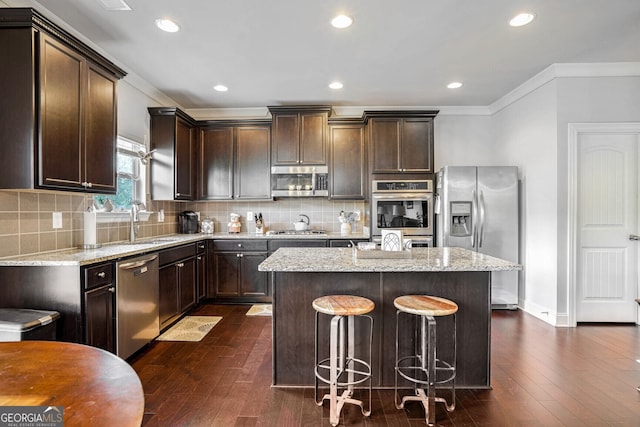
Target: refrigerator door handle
{"x": 482, "y": 215}
{"x": 474, "y": 218}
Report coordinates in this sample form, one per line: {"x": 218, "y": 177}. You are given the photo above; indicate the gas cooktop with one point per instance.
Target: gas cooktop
{"x": 297, "y": 232}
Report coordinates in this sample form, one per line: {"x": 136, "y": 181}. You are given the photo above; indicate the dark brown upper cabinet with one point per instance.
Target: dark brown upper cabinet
{"x": 299, "y": 135}
{"x": 347, "y": 159}
{"x": 234, "y": 161}
{"x": 401, "y": 141}
{"x": 58, "y": 106}
{"x": 173, "y": 136}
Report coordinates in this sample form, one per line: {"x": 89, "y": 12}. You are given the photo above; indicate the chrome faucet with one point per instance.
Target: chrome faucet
{"x": 135, "y": 219}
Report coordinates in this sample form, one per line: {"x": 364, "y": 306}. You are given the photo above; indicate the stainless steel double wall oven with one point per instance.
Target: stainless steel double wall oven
{"x": 403, "y": 205}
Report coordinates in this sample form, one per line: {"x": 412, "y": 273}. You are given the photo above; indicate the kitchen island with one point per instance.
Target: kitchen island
{"x": 301, "y": 275}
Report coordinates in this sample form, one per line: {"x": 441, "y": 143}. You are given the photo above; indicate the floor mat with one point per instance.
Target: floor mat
{"x": 190, "y": 328}
{"x": 260, "y": 310}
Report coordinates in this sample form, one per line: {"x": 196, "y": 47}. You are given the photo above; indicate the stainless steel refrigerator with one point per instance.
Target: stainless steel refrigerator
{"x": 477, "y": 208}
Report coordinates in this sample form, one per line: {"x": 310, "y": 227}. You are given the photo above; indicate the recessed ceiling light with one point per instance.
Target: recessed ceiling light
{"x": 342, "y": 21}
{"x": 167, "y": 25}
{"x": 335, "y": 85}
{"x": 454, "y": 85}
{"x": 522, "y": 19}
{"x": 221, "y": 88}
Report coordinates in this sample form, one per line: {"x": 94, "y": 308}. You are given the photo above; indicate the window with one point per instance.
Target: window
{"x": 131, "y": 175}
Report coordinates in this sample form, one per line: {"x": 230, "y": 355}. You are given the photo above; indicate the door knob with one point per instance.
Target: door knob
{"x": 634, "y": 237}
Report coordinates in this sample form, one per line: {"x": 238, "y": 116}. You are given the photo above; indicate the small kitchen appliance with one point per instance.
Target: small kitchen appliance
{"x": 299, "y": 181}
{"x": 187, "y": 222}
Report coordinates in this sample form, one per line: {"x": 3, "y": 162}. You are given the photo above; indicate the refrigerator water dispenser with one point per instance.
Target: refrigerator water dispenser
{"x": 460, "y": 219}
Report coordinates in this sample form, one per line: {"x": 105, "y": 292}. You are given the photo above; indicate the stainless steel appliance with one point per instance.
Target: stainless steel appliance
{"x": 405, "y": 205}
{"x": 477, "y": 209}
{"x": 137, "y": 304}
{"x": 187, "y": 222}
{"x": 299, "y": 181}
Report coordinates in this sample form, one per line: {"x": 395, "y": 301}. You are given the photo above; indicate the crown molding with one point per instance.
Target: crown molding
{"x": 563, "y": 70}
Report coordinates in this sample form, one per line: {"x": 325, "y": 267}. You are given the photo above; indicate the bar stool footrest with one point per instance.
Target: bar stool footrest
{"x": 444, "y": 366}
{"x": 366, "y": 374}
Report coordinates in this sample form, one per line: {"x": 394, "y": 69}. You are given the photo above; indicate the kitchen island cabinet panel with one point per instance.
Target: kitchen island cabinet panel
{"x": 460, "y": 275}
{"x": 293, "y": 339}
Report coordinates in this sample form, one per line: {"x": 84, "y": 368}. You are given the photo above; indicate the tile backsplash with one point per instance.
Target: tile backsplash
{"x": 26, "y": 218}
{"x": 282, "y": 213}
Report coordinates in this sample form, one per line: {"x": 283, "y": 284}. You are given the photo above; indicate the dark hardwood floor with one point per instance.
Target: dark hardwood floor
{"x": 541, "y": 376}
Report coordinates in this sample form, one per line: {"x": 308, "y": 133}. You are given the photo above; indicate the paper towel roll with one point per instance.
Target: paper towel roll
{"x": 89, "y": 228}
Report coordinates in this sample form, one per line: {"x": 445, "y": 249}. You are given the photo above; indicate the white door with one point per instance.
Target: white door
{"x": 607, "y": 215}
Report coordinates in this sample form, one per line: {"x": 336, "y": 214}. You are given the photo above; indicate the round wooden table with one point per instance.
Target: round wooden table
{"x": 95, "y": 387}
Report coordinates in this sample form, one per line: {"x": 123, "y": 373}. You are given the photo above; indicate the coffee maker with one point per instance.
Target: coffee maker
{"x": 187, "y": 222}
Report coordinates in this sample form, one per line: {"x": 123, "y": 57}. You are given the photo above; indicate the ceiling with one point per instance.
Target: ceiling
{"x": 396, "y": 53}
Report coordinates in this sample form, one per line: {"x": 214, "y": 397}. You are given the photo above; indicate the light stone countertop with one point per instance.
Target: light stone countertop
{"x": 422, "y": 259}
{"x": 112, "y": 251}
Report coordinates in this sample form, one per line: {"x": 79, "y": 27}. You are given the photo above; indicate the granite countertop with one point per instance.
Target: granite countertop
{"x": 422, "y": 259}
{"x": 112, "y": 251}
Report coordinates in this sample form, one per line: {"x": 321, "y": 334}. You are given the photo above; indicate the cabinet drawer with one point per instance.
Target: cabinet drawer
{"x": 175, "y": 254}
{"x": 240, "y": 245}
{"x": 297, "y": 243}
{"x": 98, "y": 275}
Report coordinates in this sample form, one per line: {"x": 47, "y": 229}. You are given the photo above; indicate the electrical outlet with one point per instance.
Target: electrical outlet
{"x": 161, "y": 215}
{"x": 249, "y": 216}
{"x": 57, "y": 219}
{"x": 356, "y": 215}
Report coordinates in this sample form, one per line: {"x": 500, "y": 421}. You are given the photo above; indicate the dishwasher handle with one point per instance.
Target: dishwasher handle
{"x": 137, "y": 263}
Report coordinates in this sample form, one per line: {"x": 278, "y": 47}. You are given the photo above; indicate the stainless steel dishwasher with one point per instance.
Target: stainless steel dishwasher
{"x": 137, "y": 304}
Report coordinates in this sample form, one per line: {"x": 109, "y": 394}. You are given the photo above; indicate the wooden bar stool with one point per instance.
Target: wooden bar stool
{"x": 342, "y": 369}
{"x": 423, "y": 368}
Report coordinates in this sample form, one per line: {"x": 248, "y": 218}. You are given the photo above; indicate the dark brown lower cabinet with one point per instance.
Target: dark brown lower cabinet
{"x": 99, "y": 305}
{"x": 100, "y": 316}
{"x": 236, "y": 277}
{"x": 177, "y": 282}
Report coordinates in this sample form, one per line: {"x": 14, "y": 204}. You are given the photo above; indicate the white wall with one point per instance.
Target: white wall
{"x": 463, "y": 140}
{"x": 525, "y": 133}
{"x": 586, "y": 100}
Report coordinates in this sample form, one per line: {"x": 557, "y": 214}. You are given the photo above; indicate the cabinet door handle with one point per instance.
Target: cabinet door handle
{"x": 112, "y": 289}
{"x": 199, "y": 258}
{"x": 102, "y": 275}
{"x": 177, "y": 194}
{"x": 180, "y": 264}
{"x": 239, "y": 255}
{"x": 239, "y": 245}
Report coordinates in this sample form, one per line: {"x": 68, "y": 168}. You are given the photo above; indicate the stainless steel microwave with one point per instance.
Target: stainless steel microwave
{"x": 299, "y": 181}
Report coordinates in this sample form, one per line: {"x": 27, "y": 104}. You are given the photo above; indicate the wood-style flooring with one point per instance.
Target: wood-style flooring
{"x": 541, "y": 376}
